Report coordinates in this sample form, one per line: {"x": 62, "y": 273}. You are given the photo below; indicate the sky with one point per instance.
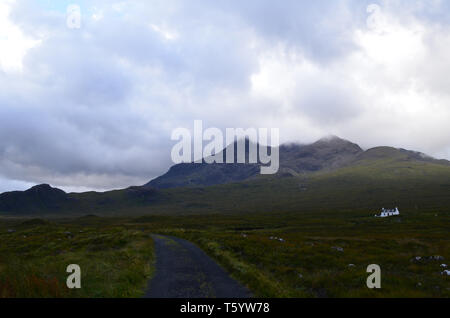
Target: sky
{"x": 93, "y": 108}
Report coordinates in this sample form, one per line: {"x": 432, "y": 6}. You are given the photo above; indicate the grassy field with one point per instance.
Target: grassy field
{"x": 115, "y": 261}
{"x": 312, "y": 259}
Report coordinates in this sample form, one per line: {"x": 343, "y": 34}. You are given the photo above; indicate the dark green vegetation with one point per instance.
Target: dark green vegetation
{"x": 308, "y": 261}
{"x": 115, "y": 260}
{"x": 115, "y": 253}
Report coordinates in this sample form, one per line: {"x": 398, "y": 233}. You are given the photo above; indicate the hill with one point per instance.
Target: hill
{"x": 331, "y": 175}
{"x": 325, "y": 154}
{"x": 34, "y": 200}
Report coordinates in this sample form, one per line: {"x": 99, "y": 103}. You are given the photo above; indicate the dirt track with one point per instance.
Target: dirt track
{"x": 185, "y": 271}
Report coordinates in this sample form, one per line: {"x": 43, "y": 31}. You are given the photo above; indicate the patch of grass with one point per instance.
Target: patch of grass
{"x": 115, "y": 261}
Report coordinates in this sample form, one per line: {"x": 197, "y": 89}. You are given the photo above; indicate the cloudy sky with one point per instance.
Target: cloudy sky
{"x": 94, "y": 107}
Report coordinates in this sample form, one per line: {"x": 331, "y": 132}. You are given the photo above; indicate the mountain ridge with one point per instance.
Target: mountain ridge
{"x": 313, "y": 176}
{"x": 329, "y": 152}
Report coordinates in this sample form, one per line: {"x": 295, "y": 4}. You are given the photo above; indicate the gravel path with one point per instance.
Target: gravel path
{"x": 185, "y": 271}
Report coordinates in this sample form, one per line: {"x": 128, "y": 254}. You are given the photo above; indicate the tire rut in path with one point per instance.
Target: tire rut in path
{"x": 184, "y": 271}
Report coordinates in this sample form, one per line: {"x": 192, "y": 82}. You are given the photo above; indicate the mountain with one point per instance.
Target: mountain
{"x": 389, "y": 153}
{"x": 331, "y": 175}
{"x": 204, "y": 174}
{"x": 46, "y": 200}
{"x": 38, "y": 198}
{"x": 326, "y": 154}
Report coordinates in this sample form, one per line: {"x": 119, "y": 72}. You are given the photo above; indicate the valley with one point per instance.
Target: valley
{"x": 273, "y": 255}
{"x": 308, "y": 231}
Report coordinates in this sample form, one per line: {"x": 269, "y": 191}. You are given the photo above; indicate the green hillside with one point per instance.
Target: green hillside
{"x": 364, "y": 182}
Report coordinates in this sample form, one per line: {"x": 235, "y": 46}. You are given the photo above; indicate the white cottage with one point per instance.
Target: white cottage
{"x": 387, "y": 213}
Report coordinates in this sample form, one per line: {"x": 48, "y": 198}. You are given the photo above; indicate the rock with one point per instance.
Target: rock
{"x": 351, "y": 265}
{"x": 300, "y": 276}
{"x": 276, "y": 239}
{"x": 416, "y": 259}
{"x": 11, "y": 231}
{"x": 444, "y": 265}
{"x": 419, "y": 285}
{"x": 337, "y": 248}
{"x": 446, "y": 272}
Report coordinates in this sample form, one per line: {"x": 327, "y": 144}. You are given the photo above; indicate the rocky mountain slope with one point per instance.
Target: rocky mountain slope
{"x": 330, "y": 174}
{"x": 325, "y": 154}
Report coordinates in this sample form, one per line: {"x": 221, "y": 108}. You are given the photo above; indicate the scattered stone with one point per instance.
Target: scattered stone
{"x": 351, "y": 265}
{"x": 419, "y": 285}
{"x": 300, "y": 276}
{"x": 11, "y": 231}
{"x": 416, "y": 259}
{"x": 337, "y": 248}
{"x": 419, "y": 259}
{"x": 444, "y": 265}
{"x": 446, "y": 272}
{"x": 68, "y": 233}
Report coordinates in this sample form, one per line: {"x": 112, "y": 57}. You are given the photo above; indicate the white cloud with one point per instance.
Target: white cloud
{"x": 392, "y": 90}
{"x": 94, "y": 108}
{"x": 13, "y": 43}
{"x": 166, "y": 33}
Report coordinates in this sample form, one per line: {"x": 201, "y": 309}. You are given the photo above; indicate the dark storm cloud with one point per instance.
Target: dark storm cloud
{"x": 94, "y": 107}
